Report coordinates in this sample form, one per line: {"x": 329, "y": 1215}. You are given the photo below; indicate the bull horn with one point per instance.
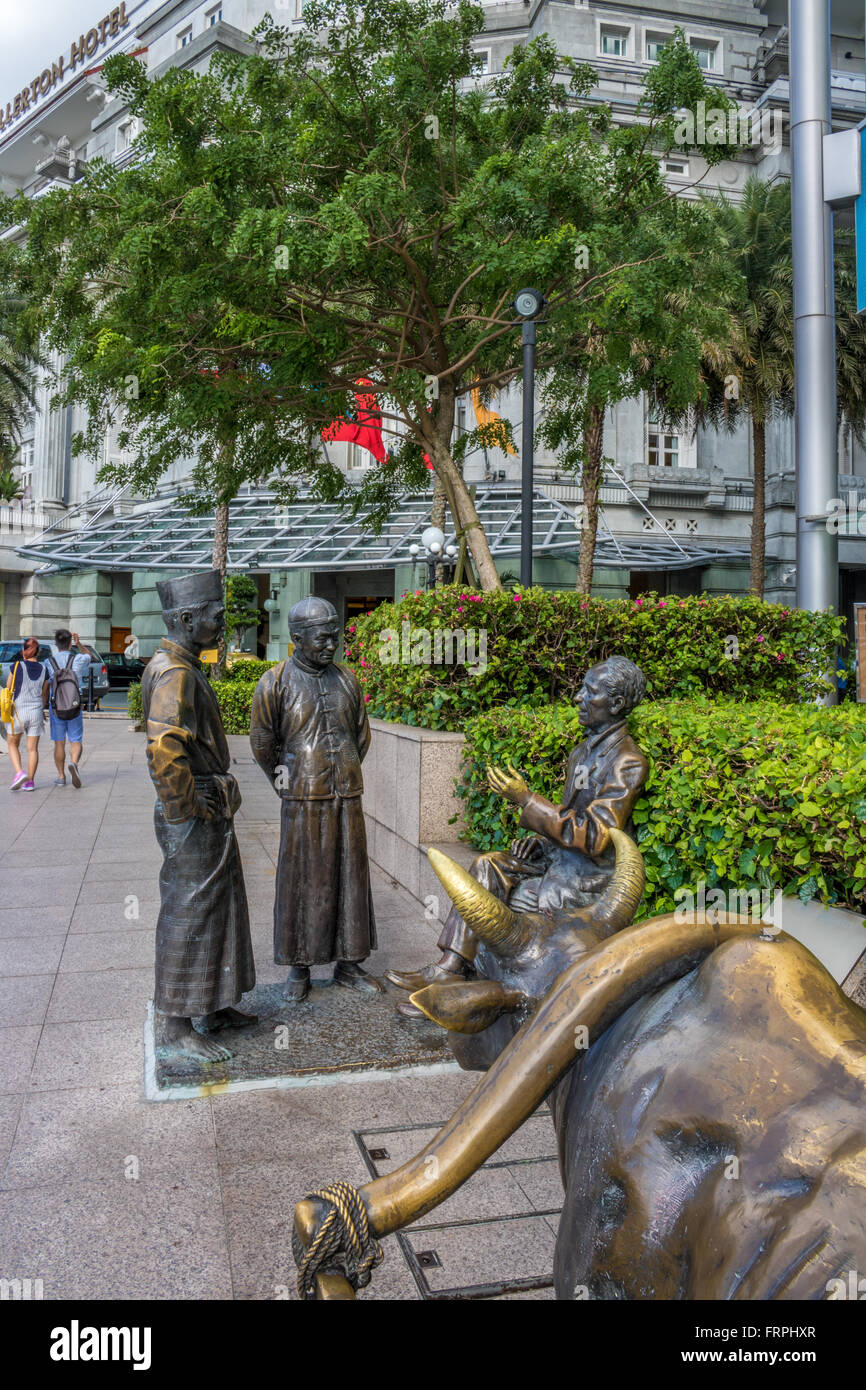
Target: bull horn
{"x": 619, "y": 902}
{"x": 494, "y": 922}
{"x": 468, "y": 1007}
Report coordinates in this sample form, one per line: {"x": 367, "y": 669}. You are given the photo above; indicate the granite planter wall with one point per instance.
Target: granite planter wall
{"x": 409, "y": 802}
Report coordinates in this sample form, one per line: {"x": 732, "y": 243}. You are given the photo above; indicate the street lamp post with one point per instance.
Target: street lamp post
{"x": 815, "y": 442}
{"x": 528, "y": 304}
{"x": 436, "y": 553}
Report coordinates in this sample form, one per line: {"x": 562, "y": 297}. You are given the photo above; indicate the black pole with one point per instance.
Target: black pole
{"x": 528, "y": 458}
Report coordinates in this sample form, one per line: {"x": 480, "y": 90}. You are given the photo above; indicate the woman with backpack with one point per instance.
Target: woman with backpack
{"x": 28, "y": 686}
{"x": 66, "y": 670}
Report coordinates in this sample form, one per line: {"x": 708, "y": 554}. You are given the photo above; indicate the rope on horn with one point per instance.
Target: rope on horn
{"x": 343, "y": 1241}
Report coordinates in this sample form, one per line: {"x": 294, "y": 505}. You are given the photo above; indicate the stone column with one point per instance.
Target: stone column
{"x": 49, "y": 444}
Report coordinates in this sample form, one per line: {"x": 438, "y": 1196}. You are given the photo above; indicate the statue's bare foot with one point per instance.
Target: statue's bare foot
{"x": 226, "y": 1018}
{"x": 179, "y": 1039}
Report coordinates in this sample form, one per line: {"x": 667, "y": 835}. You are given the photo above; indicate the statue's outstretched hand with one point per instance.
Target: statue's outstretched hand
{"x": 508, "y": 784}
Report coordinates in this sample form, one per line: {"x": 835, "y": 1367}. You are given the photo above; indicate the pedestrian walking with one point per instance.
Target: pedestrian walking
{"x": 67, "y": 670}
{"x": 28, "y": 684}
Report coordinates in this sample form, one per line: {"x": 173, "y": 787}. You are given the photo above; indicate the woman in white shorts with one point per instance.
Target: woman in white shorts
{"x": 29, "y": 683}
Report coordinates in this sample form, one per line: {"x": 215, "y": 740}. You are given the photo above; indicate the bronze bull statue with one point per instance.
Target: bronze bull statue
{"x": 708, "y": 1086}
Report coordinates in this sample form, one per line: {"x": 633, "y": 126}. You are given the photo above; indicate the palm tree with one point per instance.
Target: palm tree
{"x": 751, "y": 370}
{"x": 17, "y": 379}
{"x": 10, "y": 486}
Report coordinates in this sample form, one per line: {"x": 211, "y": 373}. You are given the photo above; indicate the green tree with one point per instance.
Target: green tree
{"x": 647, "y": 329}
{"x": 242, "y": 609}
{"x": 344, "y": 203}
{"x": 749, "y": 370}
{"x": 10, "y": 486}
{"x": 17, "y": 365}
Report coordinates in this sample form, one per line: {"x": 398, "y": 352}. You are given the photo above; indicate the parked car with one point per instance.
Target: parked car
{"x": 123, "y": 670}
{"x": 10, "y": 651}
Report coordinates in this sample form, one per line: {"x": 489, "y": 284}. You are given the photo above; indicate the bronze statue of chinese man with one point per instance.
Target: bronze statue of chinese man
{"x": 568, "y": 860}
{"x": 204, "y": 954}
{"x": 310, "y": 733}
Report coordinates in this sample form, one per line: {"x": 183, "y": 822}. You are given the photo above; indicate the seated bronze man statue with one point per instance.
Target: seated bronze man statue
{"x": 568, "y": 861}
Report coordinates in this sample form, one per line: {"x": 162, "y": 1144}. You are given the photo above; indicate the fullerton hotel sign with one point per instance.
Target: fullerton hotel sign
{"x": 79, "y": 52}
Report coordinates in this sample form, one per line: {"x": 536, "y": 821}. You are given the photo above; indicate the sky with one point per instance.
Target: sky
{"x": 33, "y": 32}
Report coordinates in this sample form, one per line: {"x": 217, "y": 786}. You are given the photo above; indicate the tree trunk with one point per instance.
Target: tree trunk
{"x": 220, "y": 555}
{"x": 437, "y": 517}
{"x": 759, "y": 539}
{"x": 593, "y": 450}
{"x": 467, "y": 515}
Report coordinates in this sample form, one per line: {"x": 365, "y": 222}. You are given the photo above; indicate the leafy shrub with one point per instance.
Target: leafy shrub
{"x": 133, "y": 702}
{"x": 540, "y": 645}
{"x": 240, "y": 668}
{"x": 235, "y": 698}
{"x": 744, "y": 796}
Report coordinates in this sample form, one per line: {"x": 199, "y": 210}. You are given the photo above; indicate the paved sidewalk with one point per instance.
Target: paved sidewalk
{"x": 104, "y": 1195}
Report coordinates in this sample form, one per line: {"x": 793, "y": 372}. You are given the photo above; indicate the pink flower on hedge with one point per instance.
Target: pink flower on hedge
{"x": 364, "y": 663}
{"x": 663, "y": 603}
{"x": 584, "y": 605}
{"x": 682, "y": 603}
{"x": 366, "y": 699}
{"x": 351, "y": 629}
{"x": 760, "y": 637}
{"x": 779, "y": 656}
{"x": 638, "y": 603}
{"x": 517, "y": 598}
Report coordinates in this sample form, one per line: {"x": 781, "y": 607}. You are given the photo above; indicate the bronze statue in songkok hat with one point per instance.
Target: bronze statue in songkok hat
{"x": 204, "y": 955}
{"x": 190, "y": 590}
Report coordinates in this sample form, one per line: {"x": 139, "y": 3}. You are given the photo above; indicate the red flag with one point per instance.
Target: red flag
{"x": 365, "y": 429}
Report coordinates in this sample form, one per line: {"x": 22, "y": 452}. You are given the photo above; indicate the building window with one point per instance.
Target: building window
{"x": 663, "y": 450}
{"x": 679, "y": 167}
{"x": 613, "y": 41}
{"x": 356, "y": 457}
{"x": 213, "y": 16}
{"x": 654, "y": 44}
{"x": 482, "y": 56}
{"x": 184, "y": 37}
{"x": 707, "y": 53}
{"x": 126, "y": 133}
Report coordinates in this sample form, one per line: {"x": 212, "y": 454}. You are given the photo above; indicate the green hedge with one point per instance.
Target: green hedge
{"x": 234, "y": 698}
{"x": 745, "y": 796}
{"x": 540, "y": 644}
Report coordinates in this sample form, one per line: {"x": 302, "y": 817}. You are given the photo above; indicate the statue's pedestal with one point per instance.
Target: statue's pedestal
{"x": 335, "y": 1033}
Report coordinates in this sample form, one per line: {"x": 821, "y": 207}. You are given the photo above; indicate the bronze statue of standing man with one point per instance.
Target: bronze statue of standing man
{"x": 204, "y": 954}
{"x": 310, "y": 733}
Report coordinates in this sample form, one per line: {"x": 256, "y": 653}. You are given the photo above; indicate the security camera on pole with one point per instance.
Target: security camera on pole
{"x": 528, "y": 304}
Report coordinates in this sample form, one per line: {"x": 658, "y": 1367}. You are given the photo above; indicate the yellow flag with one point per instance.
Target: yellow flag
{"x": 484, "y": 416}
